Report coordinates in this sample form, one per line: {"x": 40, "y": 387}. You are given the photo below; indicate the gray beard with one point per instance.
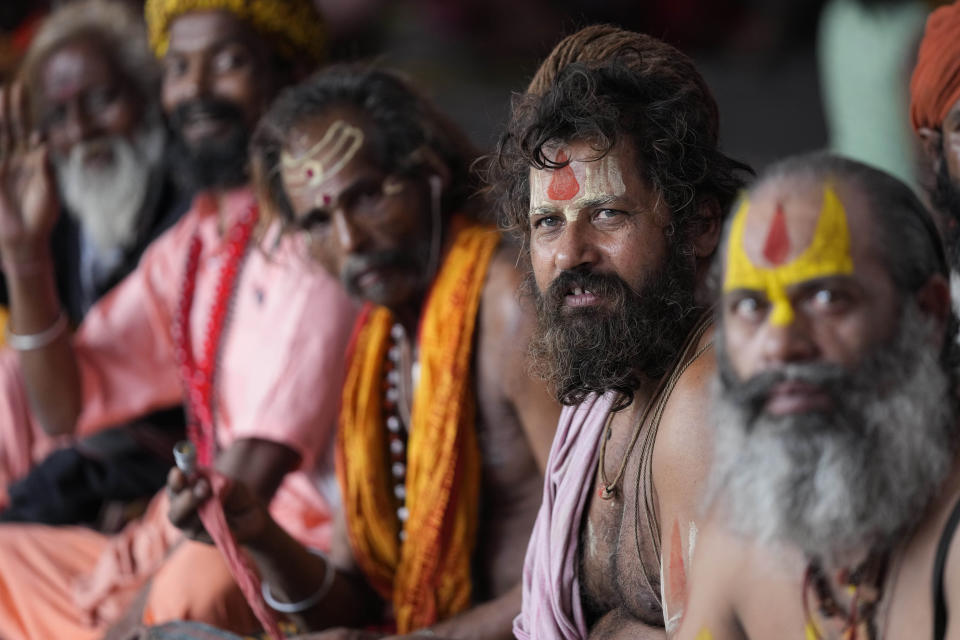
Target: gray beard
{"x": 107, "y": 201}
{"x": 857, "y": 478}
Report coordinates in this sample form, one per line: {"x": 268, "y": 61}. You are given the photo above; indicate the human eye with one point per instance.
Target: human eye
{"x": 829, "y": 299}
{"x": 316, "y": 221}
{"x": 751, "y": 307}
{"x": 229, "y": 59}
{"x": 100, "y": 98}
{"x": 546, "y": 221}
{"x": 174, "y": 66}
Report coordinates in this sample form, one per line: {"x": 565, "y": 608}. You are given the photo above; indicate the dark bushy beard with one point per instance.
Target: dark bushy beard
{"x": 615, "y": 344}
{"x": 833, "y": 483}
{"x": 945, "y": 197}
{"x": 211, "y": 163}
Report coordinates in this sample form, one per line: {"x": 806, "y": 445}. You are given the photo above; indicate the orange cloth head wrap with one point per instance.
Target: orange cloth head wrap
{"x": 935, "y": 85}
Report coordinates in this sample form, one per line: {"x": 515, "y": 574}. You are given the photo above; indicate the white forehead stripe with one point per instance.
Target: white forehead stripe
{"x": 326, "y": 158}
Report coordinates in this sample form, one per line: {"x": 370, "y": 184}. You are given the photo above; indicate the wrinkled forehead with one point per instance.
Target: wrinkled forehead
{"x": 586, "y": 176}
{"x": 318, "y": 149}
{"x": 75, "y": 65}
{"x": 784, "y": 218}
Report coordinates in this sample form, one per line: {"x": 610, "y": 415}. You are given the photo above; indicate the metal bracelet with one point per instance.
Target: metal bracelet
{"x": 33, "y": 341}
{"x": 310, "y": 601}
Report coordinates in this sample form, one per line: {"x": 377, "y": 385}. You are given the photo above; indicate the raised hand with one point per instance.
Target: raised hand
{"x": 246, "y": 515}
{"x": 28, "y": 200}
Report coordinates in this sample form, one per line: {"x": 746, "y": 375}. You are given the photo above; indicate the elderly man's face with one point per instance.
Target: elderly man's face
{"x": 371, "y": 229}
{"x": 84, "y": 97}
{"x": 833, "y": 420}
{"x": 804, "y": 283}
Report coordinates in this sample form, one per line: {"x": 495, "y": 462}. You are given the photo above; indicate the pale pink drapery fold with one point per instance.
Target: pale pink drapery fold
{"x": 279, "y": 378}
{"x": 551, "y": 583}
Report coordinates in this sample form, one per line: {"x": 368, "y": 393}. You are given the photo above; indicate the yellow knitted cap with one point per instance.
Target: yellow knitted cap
{"x": 295, "y": 27}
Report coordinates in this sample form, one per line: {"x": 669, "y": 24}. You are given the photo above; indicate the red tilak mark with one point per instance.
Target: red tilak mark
{"x": 563, "y": 184}
{"x": 777, "y": 246}
{"x": 678, "y": 575}
{"x": 326, "y": 198}
{"x": 309, "y": 173}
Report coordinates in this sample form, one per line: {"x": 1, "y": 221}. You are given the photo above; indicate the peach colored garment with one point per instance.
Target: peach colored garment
{"x": 279, "y": 379}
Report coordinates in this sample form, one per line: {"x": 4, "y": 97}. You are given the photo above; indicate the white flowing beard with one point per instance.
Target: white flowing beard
{"x": 849, "y": 480}
{"x": 107, "y": 200}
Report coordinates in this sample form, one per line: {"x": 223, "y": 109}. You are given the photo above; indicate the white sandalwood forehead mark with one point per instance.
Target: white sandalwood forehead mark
{"x": 599, "y": 180}
{"x": 339, "y": 144}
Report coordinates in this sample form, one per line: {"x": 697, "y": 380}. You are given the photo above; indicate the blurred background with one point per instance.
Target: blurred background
{"x": 789, "y": 75}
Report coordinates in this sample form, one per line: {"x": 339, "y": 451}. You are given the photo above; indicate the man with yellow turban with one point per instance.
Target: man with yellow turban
{"x": 935, "y": 116}
{"x": 251, "y": 340}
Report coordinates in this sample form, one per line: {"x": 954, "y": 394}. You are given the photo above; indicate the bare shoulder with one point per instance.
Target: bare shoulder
{"x": 685, "y": 433}
{"x": 507, "y": 316}
{"x": 505, "y": 303}
{"x": 506, "y": 324}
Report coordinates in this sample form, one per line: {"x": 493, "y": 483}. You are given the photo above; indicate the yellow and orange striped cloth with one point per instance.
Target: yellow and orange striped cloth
{"x": 427, "y": 578}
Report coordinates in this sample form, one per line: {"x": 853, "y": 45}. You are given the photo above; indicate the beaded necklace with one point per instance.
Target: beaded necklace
{"x": 399, "y": 376}
{"x": 865, "y": 583}
{"x": 198, "y": 374}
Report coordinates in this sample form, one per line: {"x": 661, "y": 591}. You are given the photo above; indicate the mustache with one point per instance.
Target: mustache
{"x": 216, "y": 108}
{"x": 608, "y": 286}
{"x": 752, "y": 394}
{"x": 357, "y": 265}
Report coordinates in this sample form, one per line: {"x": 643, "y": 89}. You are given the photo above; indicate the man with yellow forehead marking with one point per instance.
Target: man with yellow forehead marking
{"x": 834, "y": 495}
{"x": 249, "y": 338}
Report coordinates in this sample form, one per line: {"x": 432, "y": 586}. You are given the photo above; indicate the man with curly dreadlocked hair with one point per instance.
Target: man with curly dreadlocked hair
{"x": 610, "y": 172}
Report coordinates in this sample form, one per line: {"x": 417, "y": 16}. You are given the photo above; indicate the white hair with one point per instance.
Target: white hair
{"x": 119, "y": 30}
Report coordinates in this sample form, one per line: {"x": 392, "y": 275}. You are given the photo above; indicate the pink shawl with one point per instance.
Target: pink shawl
{"x": 551, "y": 581}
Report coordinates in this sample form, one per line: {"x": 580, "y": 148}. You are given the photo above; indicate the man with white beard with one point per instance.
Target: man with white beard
{"x": 93, "y": 85}
{"x": 833, "y": 500}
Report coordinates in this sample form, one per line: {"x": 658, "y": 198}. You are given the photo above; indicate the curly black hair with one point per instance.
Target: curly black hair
{"x": 603, "y": 84}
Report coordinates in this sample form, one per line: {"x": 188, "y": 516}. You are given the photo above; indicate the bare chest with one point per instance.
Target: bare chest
{"x": 619, "y": 567}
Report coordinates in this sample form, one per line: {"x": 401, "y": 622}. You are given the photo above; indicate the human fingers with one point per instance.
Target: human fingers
{"x": 5, "y": 134}
{"x": 184, "y": 502}
{"x": 19, "y": 122}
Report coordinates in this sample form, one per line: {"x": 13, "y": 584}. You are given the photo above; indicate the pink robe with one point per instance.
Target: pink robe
{"x": 279, "y": 378}
{"x": 551, "y": 581}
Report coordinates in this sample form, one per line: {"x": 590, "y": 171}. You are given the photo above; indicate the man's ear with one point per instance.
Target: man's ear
{"x": 709, "y": 229}
{"x": 433, "y": 165}
{"x": 931, "y": 140}
{"x": 933, "y": 298}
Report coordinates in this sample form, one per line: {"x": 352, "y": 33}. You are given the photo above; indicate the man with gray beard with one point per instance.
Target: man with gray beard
{"x": 92, "y": 84}
{"x": 833, "y": 497}
{"x": 93, "y": 87}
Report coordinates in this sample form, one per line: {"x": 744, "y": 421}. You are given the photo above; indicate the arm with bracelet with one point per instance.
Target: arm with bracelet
{"x": 314, "y": 590}
{"x": 37, "y": 326}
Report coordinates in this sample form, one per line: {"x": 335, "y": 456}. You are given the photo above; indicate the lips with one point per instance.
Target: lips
{"x": 797, "y": 397}
{"x": 580, "y": 297}
{"x": 204, "y": 125}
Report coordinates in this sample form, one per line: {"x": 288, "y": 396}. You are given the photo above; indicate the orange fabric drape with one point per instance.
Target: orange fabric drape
{"x": 427, "y": 578}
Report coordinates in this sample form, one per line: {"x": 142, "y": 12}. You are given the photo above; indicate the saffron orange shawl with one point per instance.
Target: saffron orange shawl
{"x": 427, "y": 578}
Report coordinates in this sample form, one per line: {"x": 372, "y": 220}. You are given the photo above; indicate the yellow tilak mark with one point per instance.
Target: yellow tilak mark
{"x": 704, "y": 634}
{"x": 827, "y": 255}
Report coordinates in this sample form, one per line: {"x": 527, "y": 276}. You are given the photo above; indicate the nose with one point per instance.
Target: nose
{"x": 790, "y": 342}
{"x": 350, "y": 235}
{"x": 575, "y": 247}
{"x": 193, "y": 83}
{"x": 80, "y": 126}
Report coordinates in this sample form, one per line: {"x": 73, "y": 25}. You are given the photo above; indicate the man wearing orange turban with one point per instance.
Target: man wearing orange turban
{"x": 935, "y": 115}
